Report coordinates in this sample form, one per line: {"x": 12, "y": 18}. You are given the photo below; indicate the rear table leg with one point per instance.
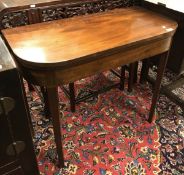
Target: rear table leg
{"x": 131, "y": 76}
{"x": 144, "y": 70}
{"x": 72, "y": 96}
{"x": 122, "y": 78}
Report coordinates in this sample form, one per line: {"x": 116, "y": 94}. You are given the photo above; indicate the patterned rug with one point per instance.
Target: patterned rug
{"x": 109, "y": 134}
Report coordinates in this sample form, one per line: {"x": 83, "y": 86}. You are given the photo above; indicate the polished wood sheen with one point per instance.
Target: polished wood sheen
{"x": 63, "y": 51}
{"x": 67, "y": 41}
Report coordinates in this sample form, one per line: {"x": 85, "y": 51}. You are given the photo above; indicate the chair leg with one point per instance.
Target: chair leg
{"x": 131, "y": 76}
{"x": 72, "y": 96}
{"x": 122, "y": 78}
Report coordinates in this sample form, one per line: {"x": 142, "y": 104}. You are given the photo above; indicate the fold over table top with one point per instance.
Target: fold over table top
{"x": 82, "y": 38}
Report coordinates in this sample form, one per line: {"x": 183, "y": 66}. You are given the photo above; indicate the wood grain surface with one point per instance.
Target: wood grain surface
{"x": 86, "y": 38}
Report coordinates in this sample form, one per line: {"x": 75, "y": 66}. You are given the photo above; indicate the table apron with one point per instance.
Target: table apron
{"x": 64, "y": 76}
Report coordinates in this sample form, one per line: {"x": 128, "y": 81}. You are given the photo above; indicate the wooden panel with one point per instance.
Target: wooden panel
{"x": 18, "y": 117}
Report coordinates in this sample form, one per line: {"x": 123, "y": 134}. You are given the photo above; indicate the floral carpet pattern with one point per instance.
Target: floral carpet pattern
{"x": 109, "y": 134}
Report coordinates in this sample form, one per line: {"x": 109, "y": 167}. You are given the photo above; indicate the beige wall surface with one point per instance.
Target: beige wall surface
{"x": 177, "y": 5}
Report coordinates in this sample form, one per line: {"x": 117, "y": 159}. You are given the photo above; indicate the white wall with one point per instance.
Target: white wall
{"x": 177, "y": 5}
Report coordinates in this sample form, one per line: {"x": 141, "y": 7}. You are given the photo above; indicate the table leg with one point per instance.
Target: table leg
{"x": 131, "y": 76}
{"x": 136, "y": 71}
{"x": 160, "y": 72}
{"x": 72, "y": 96}
{"x": 144, "y": 70}
{"x": 53, "y": 103}
{"x": 45, "y": 101}
{"x": 122, "y": 78}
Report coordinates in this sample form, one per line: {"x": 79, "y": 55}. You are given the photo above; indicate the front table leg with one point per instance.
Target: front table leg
{"x": 160, "y": 72}
{"x": 53, "y": 103}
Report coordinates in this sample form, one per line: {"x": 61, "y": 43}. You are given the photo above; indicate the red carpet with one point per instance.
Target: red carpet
{"x": 108, "y": 135}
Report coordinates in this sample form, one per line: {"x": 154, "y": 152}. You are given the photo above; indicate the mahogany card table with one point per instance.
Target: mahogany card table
{"x": 60, "y": 52}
